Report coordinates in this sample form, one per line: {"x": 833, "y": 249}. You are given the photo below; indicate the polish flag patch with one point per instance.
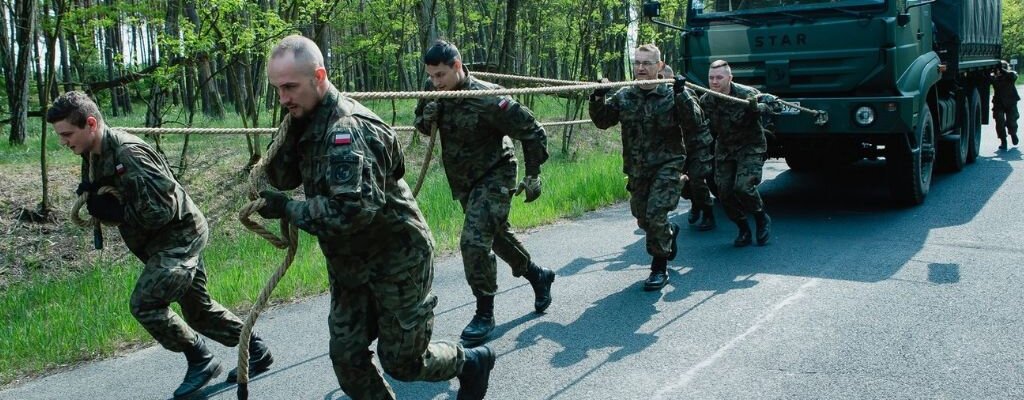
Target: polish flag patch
{"x": 119, "y": 168}
{"x": 342, "y": 138}
{"x": 503, "y": 104}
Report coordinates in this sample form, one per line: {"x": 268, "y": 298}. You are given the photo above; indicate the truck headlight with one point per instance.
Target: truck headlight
{"x": 864, "y": 115}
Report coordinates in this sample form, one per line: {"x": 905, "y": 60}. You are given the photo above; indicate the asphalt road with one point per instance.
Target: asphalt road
{"x": 851, "y": 299}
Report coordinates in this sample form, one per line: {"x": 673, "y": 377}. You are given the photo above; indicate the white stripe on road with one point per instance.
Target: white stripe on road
{"x": 686, "y": 377}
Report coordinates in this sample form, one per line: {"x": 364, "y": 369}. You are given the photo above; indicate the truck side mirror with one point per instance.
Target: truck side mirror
{"x": 651, "y": 9}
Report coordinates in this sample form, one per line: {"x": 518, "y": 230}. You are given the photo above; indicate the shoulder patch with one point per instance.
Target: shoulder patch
{"x": 504, "y": 104}
{"x": 119, "y": 169}
{"x": 342, "y": 139}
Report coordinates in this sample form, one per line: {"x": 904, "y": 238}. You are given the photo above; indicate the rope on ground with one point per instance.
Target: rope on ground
{"x": 289, "y": 240}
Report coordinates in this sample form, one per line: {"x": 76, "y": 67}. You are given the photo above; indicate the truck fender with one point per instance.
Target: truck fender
{"x": 919, "y": 78}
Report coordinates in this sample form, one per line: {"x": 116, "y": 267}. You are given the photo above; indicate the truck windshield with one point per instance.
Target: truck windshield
{"x": 726, "y": 8}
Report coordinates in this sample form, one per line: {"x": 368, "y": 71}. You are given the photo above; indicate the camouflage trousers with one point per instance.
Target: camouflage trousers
{"x": 699, "y": 170}
{"x": 397, "y": 310}
{"x": 651, "y": 198}
{"x": 486, "y": 228}
{"x": 1006, "y": 119}
{"x": 178, "y": 275}
{"x": 737, "y": 176}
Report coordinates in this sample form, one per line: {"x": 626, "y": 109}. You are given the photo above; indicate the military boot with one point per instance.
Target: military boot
{"x": 694, "y": 215}
{"x": 483, "y": 322}
{"x": 1002, "y": 143}
{"x": 659, "y": 275}
{"x": 259, "y": 359}
{"x": 708, "y": 222}
{"x": 675, "y": 235}
{"x": 763, "y": 223}
{"x": 1013, "y": 138}
{"x": 743, "y": 239}
{"x": 540, "y": 279}
{"x": 476, "y": 371}
{"x": 202, "y": 367}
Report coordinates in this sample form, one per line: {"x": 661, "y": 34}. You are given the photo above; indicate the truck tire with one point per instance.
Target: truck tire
{"x": 974, "y": 125}
{"x": 802, "y": 162}
{"x": 910, "y": 161}
{"x": 954, "y": 147}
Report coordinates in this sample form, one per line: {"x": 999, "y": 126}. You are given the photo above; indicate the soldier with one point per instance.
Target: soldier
{"x": 163, "y": 228}
{"x": 654, "y": 119}
{"x": 700, "y": 158}
{"x": 377, "y": 244}
{"x": 1004, "y": 103}
{"x": 740, "y": 151}
{"x": 480, "y": 164}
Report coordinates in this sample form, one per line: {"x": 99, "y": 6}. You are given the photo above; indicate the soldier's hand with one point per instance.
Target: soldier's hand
{"x": 276, "y": 202}
{"x": 756, "y": 106}
{"x": 679, "y": 84}
{"x": 600, "y": 93}
{"x": 531, "y": 185}
{"x": 105, "y": 207}
{"x": 431, "y": 111}
{"x": 684, "y": 178}
{"x": 86, "y": 187}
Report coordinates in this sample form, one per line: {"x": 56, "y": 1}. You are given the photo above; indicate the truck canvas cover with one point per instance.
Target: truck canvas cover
{"x": 970, "y": 29}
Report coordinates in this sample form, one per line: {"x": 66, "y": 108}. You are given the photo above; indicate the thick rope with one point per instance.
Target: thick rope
{"x": 249, "y": 131}
{"x": 426, "y": 161}
{"x": 524, "y": 78}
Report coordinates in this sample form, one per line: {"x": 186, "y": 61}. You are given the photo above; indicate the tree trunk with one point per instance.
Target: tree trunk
{"x": 508, "y": 42}
{"x": 24, "y": 23}
{"x": 212, "y": 105}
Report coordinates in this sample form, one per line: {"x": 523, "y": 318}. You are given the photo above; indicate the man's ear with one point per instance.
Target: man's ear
{"x": 92, "y": 123}
{"x": 320, "y": 74}
{"x": 458, "y": 65}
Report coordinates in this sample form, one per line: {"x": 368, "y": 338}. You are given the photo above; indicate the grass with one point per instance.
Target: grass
{"x": 52, "y": 321}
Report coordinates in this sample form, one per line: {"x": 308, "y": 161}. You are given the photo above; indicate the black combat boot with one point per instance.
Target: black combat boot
{"x": 483, "y": 322}
{"x": 694, "y": 215}
{"x": 475, "y": 373}
{"x": 708, "y": 222}
{"x": 659, "y": 275}
{"x": 202, "y": 367}
{"x": 743, "y": 239}
{"x": 1013, "y": 138}
{"x": 1002, "y": 145}
{"x": 675, "y": 234}
{"x": 259, "y": 359}
{"x": 540, "y": 279}
{"x": 763, "y": 223}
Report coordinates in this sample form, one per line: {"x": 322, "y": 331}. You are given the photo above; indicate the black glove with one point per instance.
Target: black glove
{"x": 105, "y": 207}
{"x": 86, "y": 187}
{"x": 276, "y": 204}
{"x": 599, "y": 93}
{"x": 679, "y": 86}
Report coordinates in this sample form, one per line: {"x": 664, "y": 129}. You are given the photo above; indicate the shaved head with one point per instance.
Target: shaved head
{"x": 306, "y": 53}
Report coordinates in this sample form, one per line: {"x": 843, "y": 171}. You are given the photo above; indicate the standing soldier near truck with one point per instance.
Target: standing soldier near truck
{"x": 653, "y": 118}
{"x": 480, "y": 163}
{"x": 740, "y": 151}
{"x": 1004, "y": 103}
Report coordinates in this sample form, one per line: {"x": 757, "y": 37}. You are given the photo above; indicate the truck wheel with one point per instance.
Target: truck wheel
{"x": 954, "y": 147}
{"x": 802, "y": 162}
{"x": 910, "y": 160}
{"x": 974, "y": 126}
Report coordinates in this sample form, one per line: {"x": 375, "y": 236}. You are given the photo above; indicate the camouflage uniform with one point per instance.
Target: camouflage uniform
{"x": 740, "y": 150}
{"x": 700, "y": 161}
{"x": 653, "y": 152}
{"x": 164, "y": 229}
{"x": 479, "y": 159}
{"x": 1004, "y": 103}
{"x": 376, "y": 242}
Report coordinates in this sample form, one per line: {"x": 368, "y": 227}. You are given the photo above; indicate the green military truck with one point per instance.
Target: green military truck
{"x": 906, "y": 81}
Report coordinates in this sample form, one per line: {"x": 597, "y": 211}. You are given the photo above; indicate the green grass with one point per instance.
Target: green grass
{"x": 55, "y": 321}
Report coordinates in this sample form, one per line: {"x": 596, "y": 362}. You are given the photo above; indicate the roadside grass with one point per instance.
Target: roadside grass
{"x": 55, "y": 320}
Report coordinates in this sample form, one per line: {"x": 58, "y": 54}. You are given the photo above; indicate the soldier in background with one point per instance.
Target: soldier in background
{"x": 163, "y": 228}
{"x": 700, "y": 162}
{"x": 480, "y": 163}
{"x": 654, "y": 118}
{"x": 378, "y": 247}
{"x": 1004, "y": 103}
{"x": 740, "y": 151}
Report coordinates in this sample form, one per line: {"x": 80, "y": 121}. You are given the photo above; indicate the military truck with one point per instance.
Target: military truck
{"x": 904, "y": 81}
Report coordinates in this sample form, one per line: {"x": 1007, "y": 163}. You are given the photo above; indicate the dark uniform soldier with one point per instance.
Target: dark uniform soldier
{"x": 163, "y": 228}
{"x": 480, "y": 164}
{"x": 699, "y": 170}
{"x": 377, "y": 244}
{"x": 654, "y": 118}
{"x": 740, "y": 151}
{"x": 1004, "y": 103}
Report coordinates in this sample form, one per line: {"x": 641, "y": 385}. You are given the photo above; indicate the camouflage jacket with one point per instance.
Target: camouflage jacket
{"x": 158, "y": 214}
{"x": 350, "y": 165}
{"x": 476, "y": 135}
{"x": 736, "y": 128}
{"x": 653, "y": 122}
{"x": 1005, "y": 93}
